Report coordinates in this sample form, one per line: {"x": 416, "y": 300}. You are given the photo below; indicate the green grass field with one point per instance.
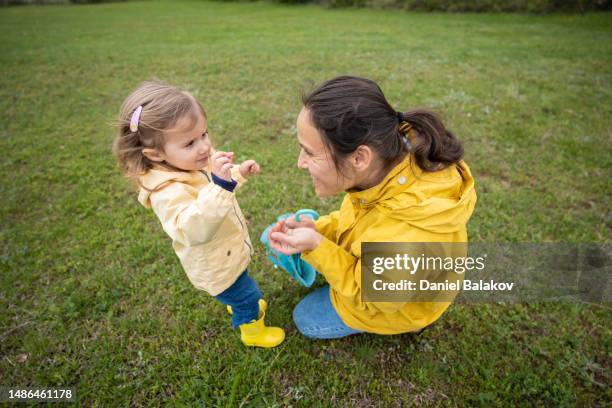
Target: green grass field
{"x": 93, "y": 297}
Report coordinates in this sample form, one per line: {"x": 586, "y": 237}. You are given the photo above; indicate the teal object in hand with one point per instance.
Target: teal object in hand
{"x": 297, "y": 268}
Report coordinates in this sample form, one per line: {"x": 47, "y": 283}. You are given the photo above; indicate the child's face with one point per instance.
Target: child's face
{"x": 315, "y": 158}
{"x": 187, "y": 147}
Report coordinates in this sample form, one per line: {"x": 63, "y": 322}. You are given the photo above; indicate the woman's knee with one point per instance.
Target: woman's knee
{"x": 300, "y": 316}
{"x": 315, "y": 318}
{"x": 303, "y": 318}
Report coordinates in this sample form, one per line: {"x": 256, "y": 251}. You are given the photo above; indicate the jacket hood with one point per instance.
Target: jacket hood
{"x": 155, "y": 179}
{"x": 439, "y": 202}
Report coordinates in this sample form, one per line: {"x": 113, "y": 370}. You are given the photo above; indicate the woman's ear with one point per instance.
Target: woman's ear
{"x": 153, "y": 155}
{"x": 362, "y": 158}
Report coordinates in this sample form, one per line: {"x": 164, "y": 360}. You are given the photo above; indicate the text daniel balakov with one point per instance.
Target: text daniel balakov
{"x": 424, "y": 284}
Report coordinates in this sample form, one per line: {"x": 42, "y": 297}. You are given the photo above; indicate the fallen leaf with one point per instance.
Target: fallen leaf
{"x": 21, "y": 358}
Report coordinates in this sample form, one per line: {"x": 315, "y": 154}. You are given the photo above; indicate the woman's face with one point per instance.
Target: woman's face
{"x": 316, "y": 158}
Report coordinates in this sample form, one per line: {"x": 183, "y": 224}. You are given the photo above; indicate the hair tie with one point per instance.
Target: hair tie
{"x": 400, "y": 116}
{"x": 405, "y": 128}
{"x": 135, "y": 119}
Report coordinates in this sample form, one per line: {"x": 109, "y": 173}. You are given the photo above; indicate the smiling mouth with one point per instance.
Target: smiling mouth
{"x": 203, "y": 158}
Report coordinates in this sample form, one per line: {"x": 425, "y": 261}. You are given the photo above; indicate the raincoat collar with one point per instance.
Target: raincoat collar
{"x": 157, "y": 177}
{"x": 395, "y": 181}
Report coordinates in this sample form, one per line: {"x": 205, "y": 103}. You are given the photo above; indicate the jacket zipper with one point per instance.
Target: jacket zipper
{"x": 235, "y": 213}
{"x": 242, "y": 225}
{"x": 205, "y": 174}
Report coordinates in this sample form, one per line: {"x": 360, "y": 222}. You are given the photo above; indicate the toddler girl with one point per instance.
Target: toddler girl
{"x": 162, "y": 143}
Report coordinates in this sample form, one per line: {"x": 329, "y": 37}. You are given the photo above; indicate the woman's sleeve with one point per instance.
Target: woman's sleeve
{"x": 342, "y": 270}
{"x": 191, "y": 221}
{"x": 327, "y": 225}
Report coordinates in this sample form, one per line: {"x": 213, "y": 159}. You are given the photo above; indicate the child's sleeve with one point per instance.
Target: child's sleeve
{"x": 187, "y": 221}
{"x": 237, "y": 176}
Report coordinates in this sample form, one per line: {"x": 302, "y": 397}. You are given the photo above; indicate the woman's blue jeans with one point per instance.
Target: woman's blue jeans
{"x": 315, "y": 317}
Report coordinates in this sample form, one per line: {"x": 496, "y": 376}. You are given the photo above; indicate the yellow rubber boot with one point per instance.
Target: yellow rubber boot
{"x": 258, "y": 334}
{"x": 262, "y": 307}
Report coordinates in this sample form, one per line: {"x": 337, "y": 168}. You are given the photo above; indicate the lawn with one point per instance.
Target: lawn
{"x": 93, "y": 297}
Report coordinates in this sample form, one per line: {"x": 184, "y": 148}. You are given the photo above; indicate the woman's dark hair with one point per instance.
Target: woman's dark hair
{"x": 351, "y": 111}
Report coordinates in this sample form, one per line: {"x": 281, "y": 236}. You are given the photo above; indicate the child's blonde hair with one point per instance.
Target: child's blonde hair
{"x": 162, "y": 106}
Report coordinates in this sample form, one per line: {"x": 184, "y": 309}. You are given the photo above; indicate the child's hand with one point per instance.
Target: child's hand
{"x": 222, "y": 165}
{"x": 248, "y": 168}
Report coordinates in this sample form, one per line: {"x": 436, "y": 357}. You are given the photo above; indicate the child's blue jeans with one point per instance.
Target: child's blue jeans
{"x": 316, "y": 318}
{"x": 243, "y": 296}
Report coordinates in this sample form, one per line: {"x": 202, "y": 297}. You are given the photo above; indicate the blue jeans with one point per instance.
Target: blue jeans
{"x": 316, "y": 318}
{"x": 243, "y": 296}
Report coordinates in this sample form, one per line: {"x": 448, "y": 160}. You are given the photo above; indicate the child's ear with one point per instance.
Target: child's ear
{"x": 152, "y": 154}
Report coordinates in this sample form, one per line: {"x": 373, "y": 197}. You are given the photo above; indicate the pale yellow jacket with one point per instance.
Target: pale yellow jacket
{"x": 408, "y": 205}
{"x": 208, "y": 230}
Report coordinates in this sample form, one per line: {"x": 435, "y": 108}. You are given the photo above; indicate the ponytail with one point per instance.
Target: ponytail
{"x": 433, "y": 146}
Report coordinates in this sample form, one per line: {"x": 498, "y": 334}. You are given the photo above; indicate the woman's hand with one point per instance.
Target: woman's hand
{"x": 291, "y": 241}
{"x": 222, "y": 165}
{"x": 304, "y": 222}
{"x": 248, "y": 168}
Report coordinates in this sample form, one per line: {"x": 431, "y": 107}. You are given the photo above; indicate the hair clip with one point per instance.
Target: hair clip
{"x": 135, "y": 119}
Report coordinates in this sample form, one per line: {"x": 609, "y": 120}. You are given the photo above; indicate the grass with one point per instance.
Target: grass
{"x": 94, "y": 297}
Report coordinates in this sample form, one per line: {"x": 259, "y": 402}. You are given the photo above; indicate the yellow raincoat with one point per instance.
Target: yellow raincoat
{"x": 208, "y": 230}
{"x": 408, "y": 205}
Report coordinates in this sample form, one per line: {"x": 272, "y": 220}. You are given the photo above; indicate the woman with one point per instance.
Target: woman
{"x": 405, "y": 182}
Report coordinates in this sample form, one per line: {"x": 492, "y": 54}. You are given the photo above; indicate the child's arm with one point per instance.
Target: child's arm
{"x": 237, "y": 176}
{"x": 187, "y": 221}
{"x": 221, "y": 161}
